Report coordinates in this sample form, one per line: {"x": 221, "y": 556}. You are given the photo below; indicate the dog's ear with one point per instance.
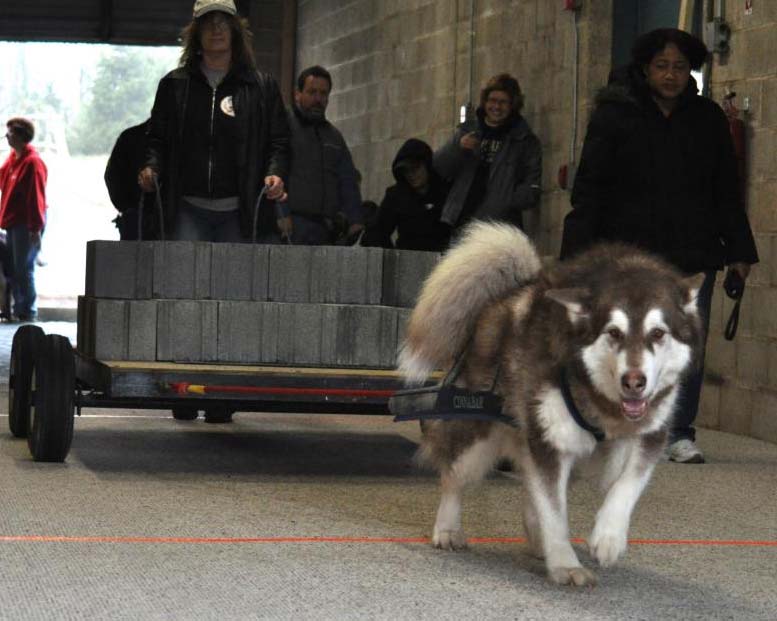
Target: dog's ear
{"x": 574, "y": 299}
{"x": 692, "y": 285}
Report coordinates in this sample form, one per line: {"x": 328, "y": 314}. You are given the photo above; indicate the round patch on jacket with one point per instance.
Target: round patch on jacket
{"x": 227, "y": 107}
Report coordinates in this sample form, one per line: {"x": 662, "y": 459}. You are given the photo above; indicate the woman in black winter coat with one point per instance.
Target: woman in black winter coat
{"x": 658, "y": 170}
{"x": 413, "y": 205}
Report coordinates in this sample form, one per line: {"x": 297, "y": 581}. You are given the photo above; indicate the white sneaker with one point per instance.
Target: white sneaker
{"x": 685, "y": 452}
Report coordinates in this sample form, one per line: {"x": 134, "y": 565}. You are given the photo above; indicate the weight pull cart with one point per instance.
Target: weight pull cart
{"x": 49, "y": 382}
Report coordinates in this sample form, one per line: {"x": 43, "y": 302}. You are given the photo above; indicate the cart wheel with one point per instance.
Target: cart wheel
{"x": 185, "y": 413}
{"x": 218, "y": 415}
{"x": 50, "y": 427}
{"x": 26, "y": 341}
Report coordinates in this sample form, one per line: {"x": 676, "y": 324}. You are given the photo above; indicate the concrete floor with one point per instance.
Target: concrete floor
{"x": 327, "y": 517}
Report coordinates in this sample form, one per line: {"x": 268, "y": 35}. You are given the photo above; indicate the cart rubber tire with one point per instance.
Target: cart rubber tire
{"x": 218, "y": 416}
{"x": 50, "y": 426}
{"x": 26, "y": 342}
{"x": 185, "y": 413}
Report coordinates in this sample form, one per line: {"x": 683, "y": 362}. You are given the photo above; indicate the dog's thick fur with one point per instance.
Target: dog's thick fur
{"x": 623, "y": 325}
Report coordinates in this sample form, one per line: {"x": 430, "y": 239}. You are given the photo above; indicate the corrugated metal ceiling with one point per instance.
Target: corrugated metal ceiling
{"x": 154, "y": 22}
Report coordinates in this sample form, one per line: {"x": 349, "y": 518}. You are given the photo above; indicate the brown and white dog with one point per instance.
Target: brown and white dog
{"x": 610, "y": 334}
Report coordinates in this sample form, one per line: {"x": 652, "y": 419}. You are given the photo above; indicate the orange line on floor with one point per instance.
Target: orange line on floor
{"x": 425, "y": 540}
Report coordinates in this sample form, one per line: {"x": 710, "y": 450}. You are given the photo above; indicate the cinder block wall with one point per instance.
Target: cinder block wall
{"x": 740, "y": 394}
{"x": 401, "y": 69}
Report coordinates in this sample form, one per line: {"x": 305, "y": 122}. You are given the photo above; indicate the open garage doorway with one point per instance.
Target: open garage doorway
{"x": 80, "y": 97}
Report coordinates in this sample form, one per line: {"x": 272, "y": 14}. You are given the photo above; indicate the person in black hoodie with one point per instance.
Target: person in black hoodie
{"x": 413, "y": 205}
{"x": 120, "y": 177}
{"x": 658, "y": 170}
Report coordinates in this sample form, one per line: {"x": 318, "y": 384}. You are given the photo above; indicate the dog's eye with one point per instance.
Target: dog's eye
{"x": 656, "y": 334}
{"x": 615, "y": 334}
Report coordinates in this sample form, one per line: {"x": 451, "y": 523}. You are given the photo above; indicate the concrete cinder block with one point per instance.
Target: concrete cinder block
{"x": 83, "y": 325}
{"x": 359, "y": 336}
{"x": 289, "y": 273}
{"x": 346, "y": 275}
{"x": 240, "y": 332}
{"x": 403, "y": 316}
{"x": 182, "y": 270}
{"x": 764, "y": 423}
{"x": 119, "y": 270}
{"x": 141, "y": 329}
{"x": 736, "y": 409}
{"x": 709, "y": 407}
{"x": 108, "y": 339}
{"x": 752, "y": 361}
{"x": 261, "y": 272}
{"x": 270, "y": 331}
{"x": 187, "y": 330}
{"x": 404, "y": 272}
{"x": 231, "y": 275}
{"x": 299, "y": 334}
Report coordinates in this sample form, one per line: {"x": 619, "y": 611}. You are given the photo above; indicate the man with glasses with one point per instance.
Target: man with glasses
{"x": 494, "y": 162}
{"x": 23, "y": 213}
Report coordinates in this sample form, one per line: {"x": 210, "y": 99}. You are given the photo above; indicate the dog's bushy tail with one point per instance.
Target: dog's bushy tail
{"x": 489, "y": 261}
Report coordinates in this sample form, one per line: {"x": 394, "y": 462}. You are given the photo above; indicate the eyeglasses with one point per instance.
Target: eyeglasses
{"x": 498, "y": 101}
{"x": 215, "y": 22}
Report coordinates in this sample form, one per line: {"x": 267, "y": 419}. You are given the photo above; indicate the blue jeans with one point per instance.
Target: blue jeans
{"x": 23, "y": 255}
{"x": 687, "y": 406}
{"x": 196, "y": 224}
{"x": 310, "y": 231}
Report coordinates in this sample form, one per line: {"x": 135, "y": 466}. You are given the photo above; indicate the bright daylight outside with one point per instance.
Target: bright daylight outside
{"x": 80, "y": 97}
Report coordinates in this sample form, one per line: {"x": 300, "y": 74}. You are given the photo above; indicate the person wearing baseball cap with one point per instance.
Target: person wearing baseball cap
{"x": 201, "y": 7}
{"x": 218, "y": 134}
{"x": 218, "y": 137}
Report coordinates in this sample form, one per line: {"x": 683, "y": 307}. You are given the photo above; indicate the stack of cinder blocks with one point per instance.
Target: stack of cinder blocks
{"x": 251, "y": 304}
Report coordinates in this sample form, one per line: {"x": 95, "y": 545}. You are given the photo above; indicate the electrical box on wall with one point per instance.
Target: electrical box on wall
{"x": 716, "y": 35}
{"x": 572, "y": 5}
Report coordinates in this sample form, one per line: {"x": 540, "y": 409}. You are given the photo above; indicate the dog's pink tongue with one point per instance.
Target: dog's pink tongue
{"x": 634, "y": 409}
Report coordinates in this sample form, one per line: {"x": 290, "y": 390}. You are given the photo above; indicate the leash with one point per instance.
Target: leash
{"x": 160, "y": 211}
{"x": 733, "y": 322}
{"x": 734, "y": 286}
{"x": 256, "y": 212}
{"x": 566, "y": 393}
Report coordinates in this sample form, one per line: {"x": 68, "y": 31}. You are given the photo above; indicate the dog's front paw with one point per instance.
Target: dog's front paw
{"x": 607, "y": 546}
{"x": 449, "y": 539}
{"x": 574, "y": 576}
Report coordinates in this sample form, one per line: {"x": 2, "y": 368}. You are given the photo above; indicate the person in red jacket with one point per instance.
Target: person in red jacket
{"x": 23, "y": 212}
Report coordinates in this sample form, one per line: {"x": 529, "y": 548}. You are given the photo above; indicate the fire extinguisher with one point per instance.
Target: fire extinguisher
{"x": 738, "y": 131}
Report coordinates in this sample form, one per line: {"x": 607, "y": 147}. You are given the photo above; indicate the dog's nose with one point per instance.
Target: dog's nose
{"x": 633, "y": 381}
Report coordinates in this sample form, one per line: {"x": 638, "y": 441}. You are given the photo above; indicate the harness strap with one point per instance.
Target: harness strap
{"x": 566, "y": 392}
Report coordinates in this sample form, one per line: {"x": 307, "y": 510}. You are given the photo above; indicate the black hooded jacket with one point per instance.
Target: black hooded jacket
{"x": 415, "y": 217}
{"x": 666, "y": 184}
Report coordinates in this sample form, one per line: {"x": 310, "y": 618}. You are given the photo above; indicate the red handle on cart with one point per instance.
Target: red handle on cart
{"x": 185, "y": 388}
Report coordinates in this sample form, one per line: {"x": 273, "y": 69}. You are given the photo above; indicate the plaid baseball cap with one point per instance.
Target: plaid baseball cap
{"x": 201, "y": 7}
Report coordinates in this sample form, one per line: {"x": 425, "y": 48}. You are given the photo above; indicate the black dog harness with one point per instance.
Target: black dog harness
{"x": 566, "y": 392}
{"x": 445, "y": 401}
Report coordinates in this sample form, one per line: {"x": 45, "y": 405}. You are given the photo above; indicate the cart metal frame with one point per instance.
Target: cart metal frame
{"x": 50, "y": 383}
